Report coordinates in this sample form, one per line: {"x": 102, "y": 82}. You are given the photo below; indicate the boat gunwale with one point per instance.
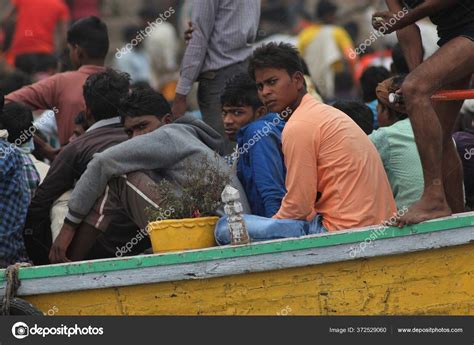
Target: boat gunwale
{"x": 229, "y": 252}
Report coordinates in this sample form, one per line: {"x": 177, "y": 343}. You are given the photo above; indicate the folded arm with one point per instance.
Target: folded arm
{"x": 136, "y": 154}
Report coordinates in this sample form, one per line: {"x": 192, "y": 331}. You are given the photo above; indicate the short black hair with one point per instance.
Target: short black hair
{"x": 17, "y": 119}
{"x": 359, "y": 112}
{"x": 104, "y": 91}
{"x": 144, "y": 101}
{"x": 369, "y": 80}
{"x": 81, "y": 120}
{"x": 14, "y": 81}
{"x": 91, "y": 34}
{"x": 324, "y": 9}
{"x": 241, "y": 90}
{"x": 129, "y": 33}
{"x": 276, "y": 55}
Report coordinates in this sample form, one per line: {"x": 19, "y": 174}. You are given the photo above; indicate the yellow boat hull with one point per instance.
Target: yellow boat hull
{"x": 432, "y": 282}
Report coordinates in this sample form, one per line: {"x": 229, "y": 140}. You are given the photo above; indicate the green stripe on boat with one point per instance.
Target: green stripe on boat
{"x": 217, "y": 253}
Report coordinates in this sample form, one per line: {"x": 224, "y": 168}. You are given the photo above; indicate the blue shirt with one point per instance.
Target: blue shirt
{"x": 373, "y": 106}
{"x": 261, "y": 168}
{"x": 14, "y": 199}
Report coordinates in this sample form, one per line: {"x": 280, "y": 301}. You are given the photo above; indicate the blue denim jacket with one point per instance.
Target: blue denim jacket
{"x": 261, "y": 168}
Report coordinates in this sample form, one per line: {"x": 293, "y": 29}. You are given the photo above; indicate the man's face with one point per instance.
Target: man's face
{"x": 135, "y": 126}
{"x": 276, "y": 89}
{"x": 236, "y": 117}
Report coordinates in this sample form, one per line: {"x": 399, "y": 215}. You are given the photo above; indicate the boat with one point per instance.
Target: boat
{"x": 422, "y": 269}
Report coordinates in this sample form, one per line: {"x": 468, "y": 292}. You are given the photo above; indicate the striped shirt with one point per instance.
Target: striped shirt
{"x": 224, "y": 31}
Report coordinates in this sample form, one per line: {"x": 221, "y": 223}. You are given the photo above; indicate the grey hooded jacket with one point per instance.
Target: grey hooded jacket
{"x": 162, "y": 151}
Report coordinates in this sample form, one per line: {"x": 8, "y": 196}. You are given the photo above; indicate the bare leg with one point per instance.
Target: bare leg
{"x": 451, "y": 63}
{"x": 451, "y": 165}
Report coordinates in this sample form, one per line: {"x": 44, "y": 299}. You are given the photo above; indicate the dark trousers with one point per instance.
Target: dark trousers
{"x": 34, "y": 63}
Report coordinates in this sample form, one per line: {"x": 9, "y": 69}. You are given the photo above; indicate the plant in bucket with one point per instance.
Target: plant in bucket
{"x": 186, "y": 216}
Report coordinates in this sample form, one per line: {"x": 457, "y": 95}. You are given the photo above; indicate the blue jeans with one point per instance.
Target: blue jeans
{"x": 265, "y": 229}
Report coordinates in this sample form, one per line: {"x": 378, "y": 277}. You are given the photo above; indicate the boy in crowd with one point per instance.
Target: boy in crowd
{"x": 260, "y": 165}
{"x": 335, "y": 178}
{"x": 395, "y": 142}
{"x": 14, "y": 199}
{"x": 102, "y": 93}
{"x": 18, "y": 121}
{"x": 88, "y": 44}
{"x": 117, "y": 181}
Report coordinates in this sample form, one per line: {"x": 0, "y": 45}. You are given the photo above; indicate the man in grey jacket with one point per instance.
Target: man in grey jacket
{"x": 162, "y": 153}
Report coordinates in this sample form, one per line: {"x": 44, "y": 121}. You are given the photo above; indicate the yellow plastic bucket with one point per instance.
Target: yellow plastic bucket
{"x": 182, "y": 234}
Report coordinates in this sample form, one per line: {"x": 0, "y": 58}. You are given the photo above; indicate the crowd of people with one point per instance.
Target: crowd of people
{"x": 315, "y": 135}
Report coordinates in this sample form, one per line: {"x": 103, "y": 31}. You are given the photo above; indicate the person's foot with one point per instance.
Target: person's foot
{"x": 423, "y": 210}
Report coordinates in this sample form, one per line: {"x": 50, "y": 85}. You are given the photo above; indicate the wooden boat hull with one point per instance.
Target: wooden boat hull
{"x": 427, "y": 269}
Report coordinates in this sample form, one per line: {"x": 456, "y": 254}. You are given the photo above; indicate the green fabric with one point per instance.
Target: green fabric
{"x": 397, "y": 148}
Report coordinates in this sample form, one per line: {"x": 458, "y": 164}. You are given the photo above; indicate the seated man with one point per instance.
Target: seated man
{"x": 260, "y": 165}
{"x": 335, "y": 178}
{"x": 105, "y": 131}
{"x": 14, "y": 199}
{"x": 395, "y": 142}
{"x": 17, "y": 119}
{"x": 119, "y": 180}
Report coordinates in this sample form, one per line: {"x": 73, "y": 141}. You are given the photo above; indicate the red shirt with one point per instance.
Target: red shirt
{"x": 62, "y": 92}
{"x": 35, "y": 25}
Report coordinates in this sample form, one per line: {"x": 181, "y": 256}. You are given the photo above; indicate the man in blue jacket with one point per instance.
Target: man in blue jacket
{"x": 260, "y": 165}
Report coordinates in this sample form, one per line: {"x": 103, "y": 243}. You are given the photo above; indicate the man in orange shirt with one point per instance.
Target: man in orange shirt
{"x": 34, "y": 31}
{"x": 335, "y": 178}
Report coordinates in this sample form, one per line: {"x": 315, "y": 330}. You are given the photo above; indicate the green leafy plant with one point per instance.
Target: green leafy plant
{"x": 199, "y": 195}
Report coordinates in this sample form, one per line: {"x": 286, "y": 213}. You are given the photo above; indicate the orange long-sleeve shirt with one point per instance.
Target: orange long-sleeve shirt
{"x": 332, "y": 169}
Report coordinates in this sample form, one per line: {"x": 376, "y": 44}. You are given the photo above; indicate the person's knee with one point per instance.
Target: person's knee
{"x": 414, "y": 89}
{"x": 221, "y": 232}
